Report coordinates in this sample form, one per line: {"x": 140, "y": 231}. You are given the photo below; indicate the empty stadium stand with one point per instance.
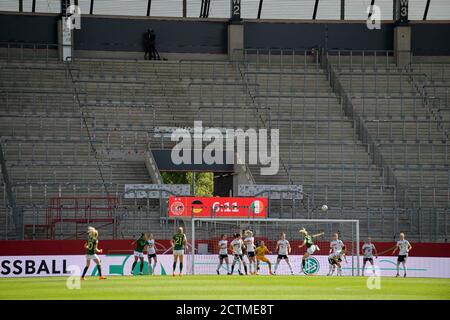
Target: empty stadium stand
{"x": 366, "y": 138}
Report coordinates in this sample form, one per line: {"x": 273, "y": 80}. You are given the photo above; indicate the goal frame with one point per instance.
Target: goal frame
{"x": 355, "y": 221}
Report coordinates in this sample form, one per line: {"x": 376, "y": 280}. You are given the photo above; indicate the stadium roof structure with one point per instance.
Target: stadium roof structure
{"x": 251, "y": 9}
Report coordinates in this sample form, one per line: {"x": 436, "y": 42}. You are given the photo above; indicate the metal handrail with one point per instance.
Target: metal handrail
{"x": 383, "y": 54}
{"x": 25, "y": 46}
{"x": 192, "y": 62}
{"x": 257, "y": 106}
{"x": 362, "y": 131}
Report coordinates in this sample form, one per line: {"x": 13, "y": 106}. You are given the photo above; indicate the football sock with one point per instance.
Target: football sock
{"x": 99, "y": 270}
{"x": 290, "y": 267}
{"x": 134, "y": 265}
{"x": 84, "y": 271}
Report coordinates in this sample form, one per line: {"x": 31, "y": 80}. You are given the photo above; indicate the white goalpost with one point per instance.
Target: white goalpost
{"x": 206, "y": 233}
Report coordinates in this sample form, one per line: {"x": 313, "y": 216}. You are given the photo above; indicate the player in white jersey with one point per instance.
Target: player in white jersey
{"x": 237, "y": 247}
{"x": 223, "y": 253}
{"x": 336, "y": 260}
{"x": 151, "y": 254}
{"x": 368, "y": 250}
{"x": 249, "y": 242}
{"x": 283, "y": 249}
{"x": 404, "y": 247}
{"x": 335, "y": 254}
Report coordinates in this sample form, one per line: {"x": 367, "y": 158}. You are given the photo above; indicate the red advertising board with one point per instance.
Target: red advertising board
{"x": 218, "y": 207}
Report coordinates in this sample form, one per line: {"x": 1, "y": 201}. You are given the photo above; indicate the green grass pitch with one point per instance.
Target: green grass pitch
{"x": 225, "y": 287}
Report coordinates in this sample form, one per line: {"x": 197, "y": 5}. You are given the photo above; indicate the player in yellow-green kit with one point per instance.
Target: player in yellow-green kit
{"x": 140, "y": 243}
{"x": 91, "y": 252}
{"x": 178, "y": 243}
{"x": 261, "y": 251}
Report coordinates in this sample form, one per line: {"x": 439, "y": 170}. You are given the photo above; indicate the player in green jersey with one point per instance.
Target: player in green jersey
{"x": 311, "y": 247}
{"x": 140, "y": 243}
{"x": 91, "y": 252}
{"x": 178, "y": 243}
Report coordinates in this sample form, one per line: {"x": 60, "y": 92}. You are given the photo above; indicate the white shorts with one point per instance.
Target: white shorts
{"x": 138, "y": 254}
{"x": 92, "y": 257}
{"x": 312, "y": 249}
{"x": 178, "y": 252}
{"x": 334, "y": 255}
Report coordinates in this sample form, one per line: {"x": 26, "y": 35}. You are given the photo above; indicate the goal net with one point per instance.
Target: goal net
{"x": 207, "y": 232}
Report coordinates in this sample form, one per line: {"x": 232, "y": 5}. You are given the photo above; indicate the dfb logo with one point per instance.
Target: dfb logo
{"x": 73, "y": 21}
{"x": 374, "y": 17}
{"x": 311, "y": 266}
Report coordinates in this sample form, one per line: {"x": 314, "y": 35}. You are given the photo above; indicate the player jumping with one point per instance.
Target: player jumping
{"x": 368, "y": 250}
{"x": 91, "y": 252}
{"x": 284, "y": 249}
{"x": 140, "y": 243}
{"x": 249, "y": 242}
{"x": 261, "y": 251}
{"x": 404, "y": 247}
{"x": 223, "y": 253}
{"x": 237, "y": 245}
{"x": 151, "y": 254}
{"x": 178, "y": 243}
{"x": 311, "y": 247}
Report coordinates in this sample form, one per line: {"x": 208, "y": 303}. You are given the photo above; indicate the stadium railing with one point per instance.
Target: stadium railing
{"x": 278, "y": 57}
{"x": 25, "y": 51}
{"x": 361, "y": 58}
{"x": 427, "y": 222}
{"x": 361, "y": 129}
{"x": 199, "y": 69}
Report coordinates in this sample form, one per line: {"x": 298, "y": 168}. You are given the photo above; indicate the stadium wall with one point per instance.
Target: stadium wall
{"x": 75, "y": 247}
{"x": 37, "y": 258}
{"x": 197, "y": 36}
